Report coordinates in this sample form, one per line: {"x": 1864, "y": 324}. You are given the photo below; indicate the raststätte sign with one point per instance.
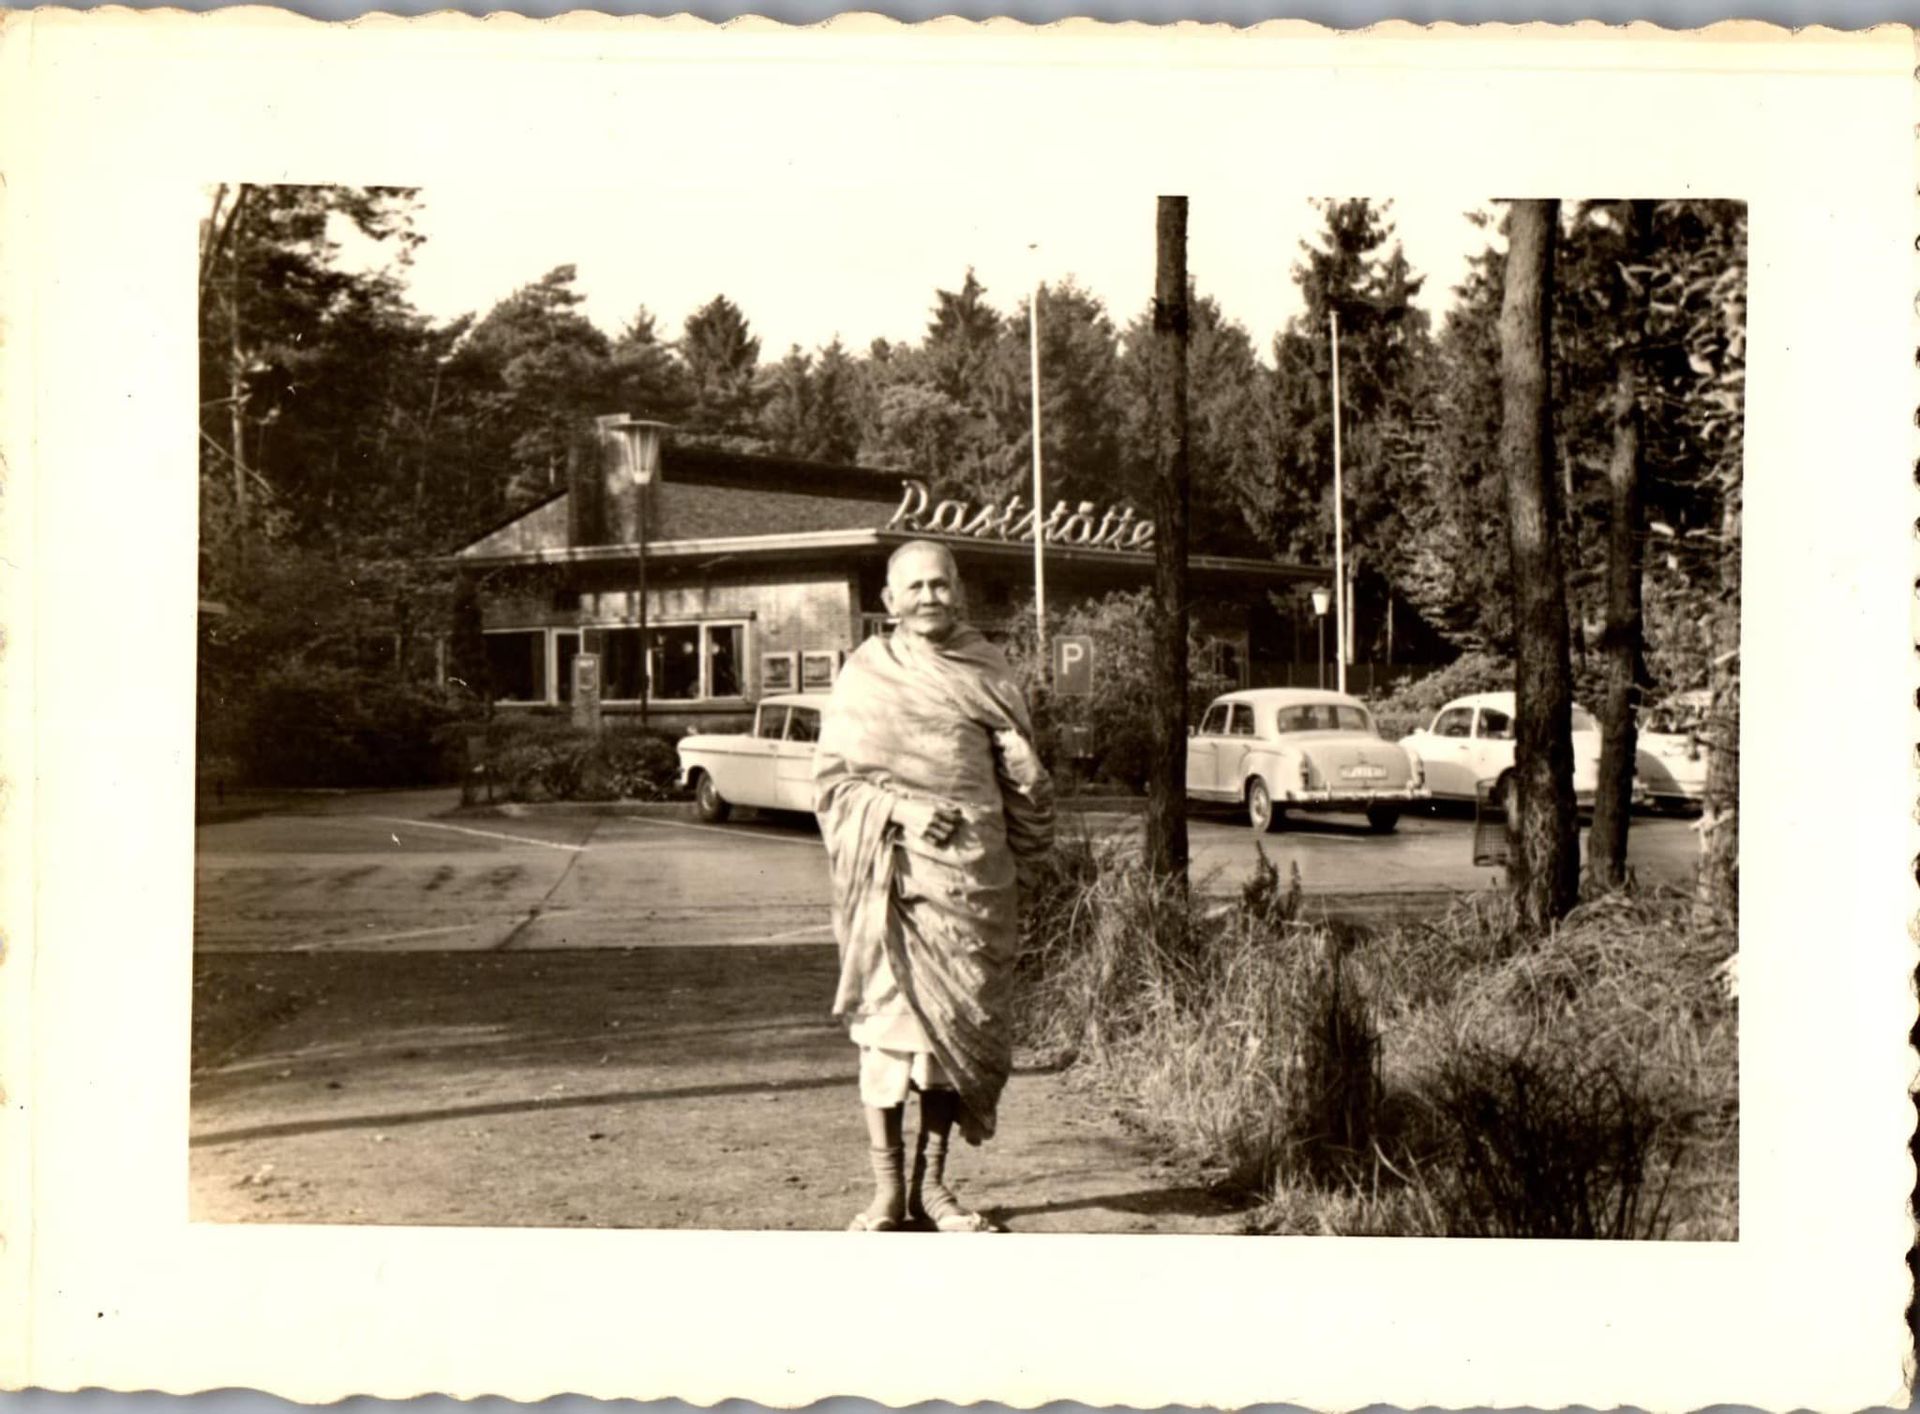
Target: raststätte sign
{"x": 1085, "y": 525}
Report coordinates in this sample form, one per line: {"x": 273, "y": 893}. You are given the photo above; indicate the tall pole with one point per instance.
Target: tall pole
{"x": 640, "y": 540}
{"x": 1039, "y": 513}
{"x": 1166, "y": 780}
{"x": 1341, "y": 607}
{"x": 630, "y": 447}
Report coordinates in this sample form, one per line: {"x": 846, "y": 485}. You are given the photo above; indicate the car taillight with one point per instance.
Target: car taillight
{"x": 1306, "y": 773}
{"x": 1419, "y": 769}
{"x": 1693, "y": 748}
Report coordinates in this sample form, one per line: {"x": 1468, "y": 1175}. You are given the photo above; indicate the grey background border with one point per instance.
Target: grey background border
{"x": 1352, "y": 14}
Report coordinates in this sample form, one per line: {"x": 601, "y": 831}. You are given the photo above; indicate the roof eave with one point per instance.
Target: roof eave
{"x": 808, "y": 542}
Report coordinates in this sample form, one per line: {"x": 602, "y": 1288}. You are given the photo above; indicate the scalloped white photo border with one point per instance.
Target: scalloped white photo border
{"x": 112, "y": 125}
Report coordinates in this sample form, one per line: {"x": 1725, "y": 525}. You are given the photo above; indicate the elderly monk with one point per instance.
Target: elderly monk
{"x": 934, "y": 806}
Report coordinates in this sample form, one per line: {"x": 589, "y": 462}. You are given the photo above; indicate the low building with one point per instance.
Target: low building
{"x": 762, "y": 573}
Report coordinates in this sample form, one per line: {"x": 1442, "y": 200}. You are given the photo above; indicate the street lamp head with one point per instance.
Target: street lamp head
{"x": 1322, "y": 601}
{"x": 634, "y": 444}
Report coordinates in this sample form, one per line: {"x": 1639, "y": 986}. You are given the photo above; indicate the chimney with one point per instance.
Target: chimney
{"x": 614, "y": 464}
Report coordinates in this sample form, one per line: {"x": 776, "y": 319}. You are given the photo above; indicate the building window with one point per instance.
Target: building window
{"x": 620, "y": 664}
{"x": 726, "y": 651}
{"x": 873, "y": 625}
{"x": 676, "y": 663}
{"x": 690, "y": 662}
{"x": 517, "y": 665}
{"x": 1229, "y": 658}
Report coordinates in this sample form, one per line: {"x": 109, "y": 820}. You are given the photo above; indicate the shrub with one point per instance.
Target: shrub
{"x": 1113, "y": 721}
{"x": 312, "y": 725}
{"x": 543, "y": 756}
{"x": 1544, "y": 1142}
{"x": 1412, "y": 704}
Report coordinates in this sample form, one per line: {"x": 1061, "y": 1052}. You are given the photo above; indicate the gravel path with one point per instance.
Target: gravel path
{"x": 677, "y": 1087}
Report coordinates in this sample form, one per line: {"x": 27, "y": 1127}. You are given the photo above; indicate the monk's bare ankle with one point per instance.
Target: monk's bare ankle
{"x": 889, "y": 1183}
{"x": 928, "y": 1197}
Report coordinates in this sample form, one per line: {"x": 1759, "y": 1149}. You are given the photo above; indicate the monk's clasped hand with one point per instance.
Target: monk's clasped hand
{"x": 936, "y": 824}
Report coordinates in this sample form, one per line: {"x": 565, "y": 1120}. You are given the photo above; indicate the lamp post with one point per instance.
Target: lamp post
{"x": 630, "y": 448}
{"x": 1343, "y": 617}
{"x": 1321, "y": 599}
{"x": 1039, "y": 537}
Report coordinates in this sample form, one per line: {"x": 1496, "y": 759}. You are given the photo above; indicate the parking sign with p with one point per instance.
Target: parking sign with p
{"x": 1073, "y": 666}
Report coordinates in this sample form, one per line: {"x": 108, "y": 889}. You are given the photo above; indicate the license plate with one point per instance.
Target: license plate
{"x": 1363, "y": 773}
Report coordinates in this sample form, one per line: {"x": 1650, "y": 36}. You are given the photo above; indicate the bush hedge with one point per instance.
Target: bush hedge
{"x": 538, "y": 756}
{"x": 1412, "y": 704}
{"x": 307, "y": 726}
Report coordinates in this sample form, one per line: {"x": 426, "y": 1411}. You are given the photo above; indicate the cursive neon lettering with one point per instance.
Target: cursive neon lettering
{"x": 982, "y": 523}
{"x": 913, "y": 505}
{"x": 1077, "y": 529}
{"x": 1114, "y": 528}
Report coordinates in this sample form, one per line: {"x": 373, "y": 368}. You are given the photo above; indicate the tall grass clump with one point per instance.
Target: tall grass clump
{"x": 1586, "y": 1085}
{"x": 1443, "y": 1076}
{"x": 1240, "y": 1034}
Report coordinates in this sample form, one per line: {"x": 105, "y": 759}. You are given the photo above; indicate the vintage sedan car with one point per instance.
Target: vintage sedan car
{"x": 1281, "y": 749}
{"x": 769, "y": 767}
{"x": 1671, "y": 759}
{"x": 1469, "y": 745}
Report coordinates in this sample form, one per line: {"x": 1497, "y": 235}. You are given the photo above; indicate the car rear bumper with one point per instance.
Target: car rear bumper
{"x": 1348, "y": 798}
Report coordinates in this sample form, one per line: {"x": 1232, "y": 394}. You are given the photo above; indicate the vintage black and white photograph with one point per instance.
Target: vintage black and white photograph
{"x": 1269, "y": 671}
{"x": 918, "y": 712}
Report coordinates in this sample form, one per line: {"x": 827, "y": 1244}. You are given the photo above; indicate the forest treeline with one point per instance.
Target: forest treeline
{"x": 347, "y": 439}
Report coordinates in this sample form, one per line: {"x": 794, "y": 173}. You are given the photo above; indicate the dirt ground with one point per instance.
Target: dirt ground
{"x": 678, "y": 1087}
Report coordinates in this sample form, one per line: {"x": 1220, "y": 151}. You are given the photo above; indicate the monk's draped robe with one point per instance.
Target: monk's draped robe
{"x": 928, "y": 935}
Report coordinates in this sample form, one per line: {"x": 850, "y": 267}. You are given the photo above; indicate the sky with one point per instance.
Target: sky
{"x": 864, "y": 261}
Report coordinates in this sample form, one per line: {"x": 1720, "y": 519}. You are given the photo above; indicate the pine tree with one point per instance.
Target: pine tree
{"x": 722, "y": 357}
{"x": 1545, "y": 866}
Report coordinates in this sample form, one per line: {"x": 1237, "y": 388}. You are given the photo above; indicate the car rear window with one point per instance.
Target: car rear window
{"x": 1495, "y": 725}
{"x": 1323, "y": 717}
{"x": 803, "y": 724}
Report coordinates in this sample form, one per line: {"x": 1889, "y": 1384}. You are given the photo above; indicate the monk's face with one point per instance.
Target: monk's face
{"x": 923, "y": 593}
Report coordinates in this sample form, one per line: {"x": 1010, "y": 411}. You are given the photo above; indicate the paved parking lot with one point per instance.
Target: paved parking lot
{"x": 398, "y": 871}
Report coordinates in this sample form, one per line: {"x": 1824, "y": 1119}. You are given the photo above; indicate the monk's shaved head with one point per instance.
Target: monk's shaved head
{"x": 925, "y": 547}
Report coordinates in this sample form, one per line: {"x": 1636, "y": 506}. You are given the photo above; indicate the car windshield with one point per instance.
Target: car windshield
{"x": 1323, "y": 717}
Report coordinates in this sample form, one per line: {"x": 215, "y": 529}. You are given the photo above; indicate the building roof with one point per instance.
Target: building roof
{"x": 711, "y": 503}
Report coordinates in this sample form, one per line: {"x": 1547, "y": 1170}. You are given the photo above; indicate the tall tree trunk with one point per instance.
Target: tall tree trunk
{"x": 1719, "y": 883}
{"x": 1166, "y": 781}
{"x": 1621, "y": 635}
{"x": 237, "y": 399}
{"x": 1545, "y": 867}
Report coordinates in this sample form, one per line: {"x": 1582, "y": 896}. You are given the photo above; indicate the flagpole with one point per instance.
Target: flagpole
{"x": 1039, "y": 515}
{"x": 1342, "y": 609}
